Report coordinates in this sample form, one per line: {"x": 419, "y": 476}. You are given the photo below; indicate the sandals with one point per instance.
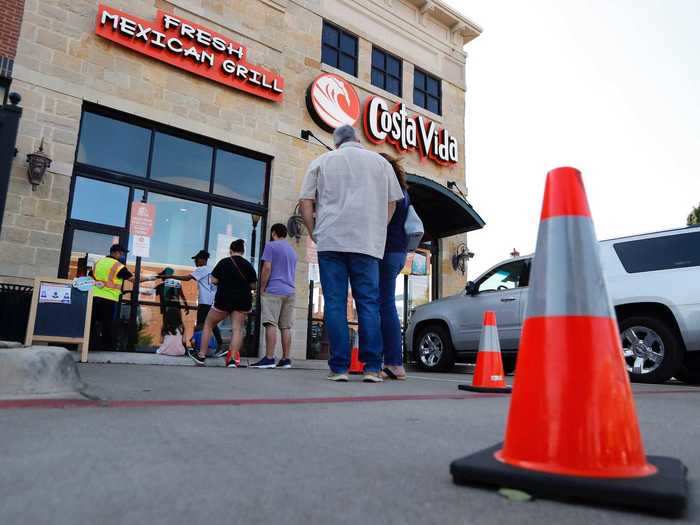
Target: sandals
{"x": 388, "y": 373}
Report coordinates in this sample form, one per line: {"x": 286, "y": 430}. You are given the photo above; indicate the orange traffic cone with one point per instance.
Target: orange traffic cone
{"x": 488, "y": 375}
{"x": 572, "y": 427}
{"x": 356, "y": 366}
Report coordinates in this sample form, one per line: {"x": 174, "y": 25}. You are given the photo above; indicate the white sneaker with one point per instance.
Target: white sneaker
{"x": 372, "y": 377}
{"x": 340, "y": 378}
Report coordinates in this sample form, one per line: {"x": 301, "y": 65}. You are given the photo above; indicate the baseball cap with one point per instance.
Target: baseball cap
{"x": 202, "y": 254}
{"x": 118, "y": 248}
{"x": 167, "y": 271}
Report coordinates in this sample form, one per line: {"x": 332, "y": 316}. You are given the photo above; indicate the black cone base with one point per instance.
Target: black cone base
{"x": 485, "y": 390}
{"x": 663, "y": 493}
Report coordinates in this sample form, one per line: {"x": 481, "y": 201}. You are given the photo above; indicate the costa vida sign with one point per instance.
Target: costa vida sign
{"x": 333, "y": 101}
{"x": 191, "y": 47}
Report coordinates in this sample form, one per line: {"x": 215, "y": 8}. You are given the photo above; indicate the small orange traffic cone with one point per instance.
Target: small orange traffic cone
{"x": 356, "y": 366}
{"x": 488, "y": 375}
{"x": 572, "y": 429}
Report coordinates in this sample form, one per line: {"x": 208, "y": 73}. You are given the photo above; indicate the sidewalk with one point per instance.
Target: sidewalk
{"x": 183, "y": 445}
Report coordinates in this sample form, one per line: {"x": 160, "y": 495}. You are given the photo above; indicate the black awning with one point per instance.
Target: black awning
{"x": 443, "y": 212}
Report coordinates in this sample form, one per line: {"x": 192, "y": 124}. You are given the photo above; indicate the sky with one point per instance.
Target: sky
{"x": 611, "y": 88}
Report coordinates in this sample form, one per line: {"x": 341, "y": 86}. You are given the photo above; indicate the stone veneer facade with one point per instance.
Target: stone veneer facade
{"x": 61, "y": 62}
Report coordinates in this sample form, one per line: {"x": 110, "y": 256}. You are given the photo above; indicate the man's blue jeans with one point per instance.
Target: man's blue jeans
{"x": 336, "y": 268}
{"x": 389, "y": 269}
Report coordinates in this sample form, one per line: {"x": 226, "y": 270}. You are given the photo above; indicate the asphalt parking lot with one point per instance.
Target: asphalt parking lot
{"x": 188, "y": 445}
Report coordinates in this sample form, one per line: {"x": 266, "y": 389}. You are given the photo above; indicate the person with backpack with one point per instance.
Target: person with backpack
{"x": 398, "y": 237}
{"x": 235, "y": 279}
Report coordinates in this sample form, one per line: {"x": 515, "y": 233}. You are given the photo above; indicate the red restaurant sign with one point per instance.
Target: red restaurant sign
{"x": 142, "y": 218}
{"x": 191, "y": 47}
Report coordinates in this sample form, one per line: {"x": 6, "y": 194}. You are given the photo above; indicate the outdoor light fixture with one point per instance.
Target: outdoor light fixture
{"x": 39, "y": 162}
{"x": 295, "y": 224}
{"x": 307, "y": 133}
{"x": 460, "y": 257}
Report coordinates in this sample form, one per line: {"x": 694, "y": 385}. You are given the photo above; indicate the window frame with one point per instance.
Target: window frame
{"x": 385, "y": 71}
{"x": 524, "y": 276}
{"x": 424, "y": 90}
{"x": 148, "y": 183}
{"x": 338, "y": 48}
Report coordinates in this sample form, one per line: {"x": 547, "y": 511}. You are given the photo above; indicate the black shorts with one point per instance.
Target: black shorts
{"x": 243, "y": 304}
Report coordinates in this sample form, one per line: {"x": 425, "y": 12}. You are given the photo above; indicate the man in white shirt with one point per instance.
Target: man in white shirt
{"x": 206, "y": 290}
{"x": 355, "y": 192}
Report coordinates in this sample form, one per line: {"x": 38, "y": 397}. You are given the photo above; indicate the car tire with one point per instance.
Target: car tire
{"x": 654, "y": 337}
{"x": 433, "y": 349}
{"x": 509, "y": 362}
{"x": 689, "y": 371}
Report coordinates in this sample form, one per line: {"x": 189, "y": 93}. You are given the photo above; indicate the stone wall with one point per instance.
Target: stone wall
{"x": 61, "y": 64}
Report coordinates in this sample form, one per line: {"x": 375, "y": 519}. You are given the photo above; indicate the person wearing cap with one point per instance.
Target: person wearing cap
{"x": 109, "y": 274}
{"x": 206, "y": 290}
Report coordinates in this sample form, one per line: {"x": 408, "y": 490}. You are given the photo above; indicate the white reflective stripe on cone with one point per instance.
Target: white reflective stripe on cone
{"x": 488, "y": 342}
{"x": 566, "y": 277}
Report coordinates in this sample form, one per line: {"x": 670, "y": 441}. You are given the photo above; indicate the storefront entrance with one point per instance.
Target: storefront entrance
{"x": 204, "y": 195}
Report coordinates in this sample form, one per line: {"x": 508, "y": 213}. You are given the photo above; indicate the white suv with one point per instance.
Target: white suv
{"x": 654, "y": 282}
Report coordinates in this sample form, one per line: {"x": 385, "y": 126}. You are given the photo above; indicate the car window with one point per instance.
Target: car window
{"x": 505, "y": 277}
{"x": 660, "y": 253}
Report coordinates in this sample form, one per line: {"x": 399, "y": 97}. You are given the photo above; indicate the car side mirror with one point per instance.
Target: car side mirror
{"x": 471, "y": 288}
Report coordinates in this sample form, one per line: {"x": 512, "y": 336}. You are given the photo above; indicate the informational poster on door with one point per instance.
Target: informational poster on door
{"x": 141, "y": 246}
{"x": 143, "y": 217}
{"x": 55, "y": 293}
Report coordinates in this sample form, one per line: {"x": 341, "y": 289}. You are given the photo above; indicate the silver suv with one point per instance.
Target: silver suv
{"x": 654, "y": 282}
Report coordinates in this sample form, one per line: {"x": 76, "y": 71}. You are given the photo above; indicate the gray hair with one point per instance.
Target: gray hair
{"x": 343, "y": 134}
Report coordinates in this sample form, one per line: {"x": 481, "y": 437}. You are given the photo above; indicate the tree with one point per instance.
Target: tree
{"x": 694, "y": 217}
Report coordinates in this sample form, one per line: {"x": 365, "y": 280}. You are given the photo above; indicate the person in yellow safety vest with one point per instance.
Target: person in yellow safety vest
{"x": 109, "y": 274}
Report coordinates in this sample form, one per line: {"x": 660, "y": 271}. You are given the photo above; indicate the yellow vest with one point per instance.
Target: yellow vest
{"x": 107, "y": 284}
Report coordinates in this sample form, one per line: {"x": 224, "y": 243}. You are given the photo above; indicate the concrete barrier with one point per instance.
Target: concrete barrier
{"x": 38, "y": 371}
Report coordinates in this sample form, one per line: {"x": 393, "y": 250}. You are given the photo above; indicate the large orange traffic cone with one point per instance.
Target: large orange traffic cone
{"x": 488, "y": 374}
{"x": 356, "y": 366}
{"x": 572, "y": 427}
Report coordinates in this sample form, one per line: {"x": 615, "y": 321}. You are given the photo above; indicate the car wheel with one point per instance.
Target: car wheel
{"x": 689, "y": 371}
{"x": 509, "y": 364}
{"x": 434, "y": 350}
{"x": 650, "y": 348}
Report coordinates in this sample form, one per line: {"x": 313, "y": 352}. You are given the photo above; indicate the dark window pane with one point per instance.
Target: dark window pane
{"x": 182, "y": 162}
{"x": 393, "y": 66}
{"x": 99, "y": 202}
{"x": 329, "y": 56}
{"x": 113, "y": 145}
{"x": 239, "y": 177}
{"x": 178, "y": 232}
{"x": 347, "y": 64}
{"x": 433, "y": 105}
{"x": 419, "y": 98}
{"x": 660, "y": 253}
{"x": 378, "y": 59}
{"x": 348, "y": 44}
{"x": 393, "y": 86}
{"x": 330, "y": 35}
{"x": 433, "y": 86}
{"x": 377, "y": 78}
{"x": 419, "y": 80}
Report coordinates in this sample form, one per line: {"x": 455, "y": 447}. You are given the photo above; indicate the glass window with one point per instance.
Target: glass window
{"x": 178, "y": 232}
{"x": 660, "y": 253}
{"x": 113, "y": 145}
{"x": 386, "y": 71}
{"x": 227, "y": 226}
{"x": 339, "y": 49}
{"x": 240, "y": 177}
{"x": 181, "y": 162}
{"x": 427, "y": 92}
{"x": 99, "y": 202}
{"x": 506, "y": 277}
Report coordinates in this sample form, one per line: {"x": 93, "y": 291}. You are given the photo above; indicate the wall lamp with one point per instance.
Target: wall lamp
{"x": 39, "y": 162}
{"x": 307, "y": 133}
{"x": 460, "y": 258}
